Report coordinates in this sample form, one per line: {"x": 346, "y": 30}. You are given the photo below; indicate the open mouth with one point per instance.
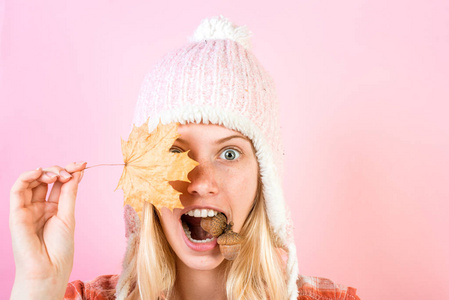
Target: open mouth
{"x": 191, "y": 223}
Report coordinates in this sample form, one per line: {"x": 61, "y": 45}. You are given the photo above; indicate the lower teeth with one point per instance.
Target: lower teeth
{"x": 189, "y": 235}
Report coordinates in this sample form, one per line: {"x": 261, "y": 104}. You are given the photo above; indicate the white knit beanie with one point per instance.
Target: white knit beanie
{"x": 215, "y": 78}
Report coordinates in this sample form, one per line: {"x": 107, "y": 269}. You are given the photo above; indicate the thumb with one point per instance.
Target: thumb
{"x": 67, "y": 198}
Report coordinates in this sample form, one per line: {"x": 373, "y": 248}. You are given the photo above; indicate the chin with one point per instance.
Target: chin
{"x": 201, "y": 262}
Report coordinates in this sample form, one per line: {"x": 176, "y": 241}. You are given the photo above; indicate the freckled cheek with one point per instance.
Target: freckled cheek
{"x": 242, "y": 189}
{"x": 240, "y": 182}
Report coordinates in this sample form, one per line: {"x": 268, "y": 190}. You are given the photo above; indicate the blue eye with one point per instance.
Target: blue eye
{"x": 230, "y": 154}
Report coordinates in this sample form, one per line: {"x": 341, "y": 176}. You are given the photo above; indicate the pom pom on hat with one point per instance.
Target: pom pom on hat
{"x": 221, "y": 28}
{"x": 223, "y": 83}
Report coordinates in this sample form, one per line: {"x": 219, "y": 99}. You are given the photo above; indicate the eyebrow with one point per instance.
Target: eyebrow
{"x": 220, "y": 141}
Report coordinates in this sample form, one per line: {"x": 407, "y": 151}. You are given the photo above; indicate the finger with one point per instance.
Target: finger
{"x": 55, "y": 192}
{"x": 20, "y": 194}
{"x": 39, "y": 193}
{"x": 21, "y": 191}
{"x": 63, "y": 175}
{"x": 81, "y": 176}
{"x": 75, "y": 166}
{"x": 48, "y": 177}
{"x": 67, "y": 198}
{"x": 55, "y": 169}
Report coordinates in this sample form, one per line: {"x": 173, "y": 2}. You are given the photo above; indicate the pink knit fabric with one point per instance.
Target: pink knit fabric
{"x": 220, "y": 74}
{"x": 216, "y": 79}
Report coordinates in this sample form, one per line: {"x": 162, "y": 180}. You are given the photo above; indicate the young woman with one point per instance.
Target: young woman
{"x": 226, "y": 104}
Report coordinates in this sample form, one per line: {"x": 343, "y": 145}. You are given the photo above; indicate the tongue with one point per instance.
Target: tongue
{"x": 199, "y": 233}
{"x": 194, "y": 224}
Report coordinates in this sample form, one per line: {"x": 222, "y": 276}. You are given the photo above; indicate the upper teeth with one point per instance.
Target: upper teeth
{"x": 202, "y": 213}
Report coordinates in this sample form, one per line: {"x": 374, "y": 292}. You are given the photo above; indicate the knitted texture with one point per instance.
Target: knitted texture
{"x": 215, "y": 78}
{"x": 221, "y": 28}
{"x": 220, "y": 74}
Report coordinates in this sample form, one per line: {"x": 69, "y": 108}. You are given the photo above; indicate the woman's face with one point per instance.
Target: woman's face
{"x": 224, "y": 181}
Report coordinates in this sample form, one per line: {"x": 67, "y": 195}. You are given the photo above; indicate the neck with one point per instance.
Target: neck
{"x": 199, "y": 284}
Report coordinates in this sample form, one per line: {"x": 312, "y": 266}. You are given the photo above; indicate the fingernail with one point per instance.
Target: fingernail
{"x": 51, "y": 174}
{"x": 80, "y": 162}
{"x": 65, "y": 174}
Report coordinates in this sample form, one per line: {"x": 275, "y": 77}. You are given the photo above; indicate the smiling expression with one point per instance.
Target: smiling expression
{"x": 224, "y": 181}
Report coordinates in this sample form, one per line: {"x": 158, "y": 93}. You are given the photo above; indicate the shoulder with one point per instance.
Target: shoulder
{"x": 100, "y": 288}
{"x": 318, "y": 288}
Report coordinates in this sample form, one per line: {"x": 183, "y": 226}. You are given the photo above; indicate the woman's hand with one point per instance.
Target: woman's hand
{"x": 42, "y": 230}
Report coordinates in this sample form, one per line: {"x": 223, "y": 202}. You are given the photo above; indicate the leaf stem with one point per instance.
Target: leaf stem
{"x": 104, "y": 165}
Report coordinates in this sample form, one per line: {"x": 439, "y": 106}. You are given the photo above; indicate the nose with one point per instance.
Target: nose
{"x": 203, "y": 182}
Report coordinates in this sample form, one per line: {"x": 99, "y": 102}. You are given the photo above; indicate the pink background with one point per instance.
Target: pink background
{"x": 364, "y": 91}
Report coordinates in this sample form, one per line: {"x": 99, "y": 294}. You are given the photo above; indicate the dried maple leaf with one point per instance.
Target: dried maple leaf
{"x": 149, "y": 166}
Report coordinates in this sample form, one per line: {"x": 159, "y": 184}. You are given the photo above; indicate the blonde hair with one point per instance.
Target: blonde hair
{"x": 257, "y": 272}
